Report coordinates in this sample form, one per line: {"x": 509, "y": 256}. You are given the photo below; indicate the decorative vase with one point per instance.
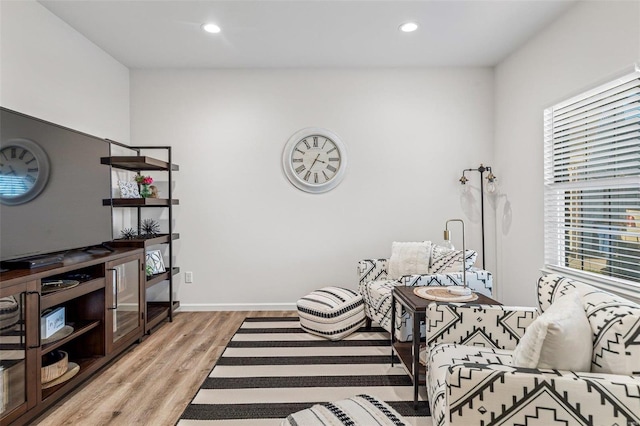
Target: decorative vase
{"x": 145, "y": 191}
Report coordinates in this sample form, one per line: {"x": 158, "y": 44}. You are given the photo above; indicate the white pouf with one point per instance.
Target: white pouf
{"x": 331, "y": 312}
{"x": 361, "y": 410}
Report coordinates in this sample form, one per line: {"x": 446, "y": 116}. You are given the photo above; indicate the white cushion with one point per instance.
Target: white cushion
{"x": 558, "y": 339}
{"x": 358, "y": 410}
{"x": 410, "y": 258}
{"x": 615, "y": 323}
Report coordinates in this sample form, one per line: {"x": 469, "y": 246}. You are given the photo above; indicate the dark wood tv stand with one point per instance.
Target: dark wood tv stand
{"x": 105, "y": 309}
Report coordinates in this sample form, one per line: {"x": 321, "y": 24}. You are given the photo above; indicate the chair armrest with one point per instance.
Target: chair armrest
{"x": 498, "y": 394}
{"x": 372, "y": 270}
{"x": 492, "y": 326}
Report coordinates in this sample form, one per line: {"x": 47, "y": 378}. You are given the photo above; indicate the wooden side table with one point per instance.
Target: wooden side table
{"x": 409, "y": 352}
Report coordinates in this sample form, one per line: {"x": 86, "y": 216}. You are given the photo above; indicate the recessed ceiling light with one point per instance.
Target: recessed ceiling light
{"x": 211, "y": 28}
{"x": 408, "y": 27}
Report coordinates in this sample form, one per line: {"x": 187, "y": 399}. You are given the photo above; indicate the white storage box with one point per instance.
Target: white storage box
{"x": 52, "y": 322}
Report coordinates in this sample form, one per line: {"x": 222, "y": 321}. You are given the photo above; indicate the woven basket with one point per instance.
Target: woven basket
{"x": 54, "y": 365}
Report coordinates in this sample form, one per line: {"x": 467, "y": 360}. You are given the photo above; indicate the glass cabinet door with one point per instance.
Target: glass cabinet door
{"x": 125, "y": 298}
{"x": 13, "y": 352}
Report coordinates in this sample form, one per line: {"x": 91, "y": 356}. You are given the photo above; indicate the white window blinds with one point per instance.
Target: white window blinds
{"x": 592, "y": 181}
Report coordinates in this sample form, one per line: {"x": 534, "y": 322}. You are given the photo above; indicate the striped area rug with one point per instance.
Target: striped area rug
{"x": 272, "y": 368}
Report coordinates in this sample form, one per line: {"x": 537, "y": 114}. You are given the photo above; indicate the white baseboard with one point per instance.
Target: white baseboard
{"x": 202, "y": 307}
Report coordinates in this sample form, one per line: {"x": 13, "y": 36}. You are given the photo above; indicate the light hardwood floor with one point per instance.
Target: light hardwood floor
{"x": 155, "y": 380}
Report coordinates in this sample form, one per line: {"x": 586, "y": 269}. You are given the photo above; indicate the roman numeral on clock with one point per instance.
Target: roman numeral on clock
{"x": 300, "y": 169}
{"x": 307, "y": 175}
{"x": 330, "y": 167}
{"x": 315, "y": 141}
{"x": 331, "y": 150}
{"x": 315, "y": 178}
{"x": 304, "y": 141}
{"x": 325, "y": 175}
{"x": 334, "y": 159}
{"x": 297, "y": 160}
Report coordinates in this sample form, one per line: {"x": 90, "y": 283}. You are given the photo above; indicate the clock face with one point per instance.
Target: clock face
{"x": 314, "y": 160}
{"x": 24, "y": 171}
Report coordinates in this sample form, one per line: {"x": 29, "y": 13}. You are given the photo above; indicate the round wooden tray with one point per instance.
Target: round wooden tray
{"x": 60, "y": 334}
{"x": 58, "y": 285}
{"x": 441, "y": 294}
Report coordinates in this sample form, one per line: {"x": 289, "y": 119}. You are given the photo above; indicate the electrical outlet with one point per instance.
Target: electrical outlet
{"x": 188, "y": 277}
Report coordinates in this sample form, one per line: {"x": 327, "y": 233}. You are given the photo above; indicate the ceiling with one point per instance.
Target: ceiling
{"x": 307, "y": 33}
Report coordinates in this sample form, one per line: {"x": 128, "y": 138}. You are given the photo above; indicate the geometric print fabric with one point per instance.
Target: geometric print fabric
{"x": 450, "y": 260}
{"x": 491, "y": 326}
{"x": 615, "y": 323}
{"x": 471, "y": 379}
{"x": 479, "y": 386}
{"x": 376, "y": 292}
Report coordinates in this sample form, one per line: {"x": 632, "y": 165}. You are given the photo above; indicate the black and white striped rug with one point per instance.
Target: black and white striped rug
{"x": 272, "y": 368}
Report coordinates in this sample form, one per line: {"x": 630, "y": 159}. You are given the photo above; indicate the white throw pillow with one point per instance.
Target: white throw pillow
{"x": 558, "y": 339}
{"x": 409, "y": 259}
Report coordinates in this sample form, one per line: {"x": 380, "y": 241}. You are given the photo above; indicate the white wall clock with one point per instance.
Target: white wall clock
{"x": 24, "y": 171}
{"x": 314, "y": 160}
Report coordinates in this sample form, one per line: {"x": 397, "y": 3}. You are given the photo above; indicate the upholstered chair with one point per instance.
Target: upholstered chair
{"x": 575, "y": 359}
{"x": 427, "y": 266}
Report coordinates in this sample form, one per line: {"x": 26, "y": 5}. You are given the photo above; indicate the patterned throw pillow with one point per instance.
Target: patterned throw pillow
{"x": 128, "y": 189}
{"x": 410, "y": 258}
{"x": 445, "y": 261}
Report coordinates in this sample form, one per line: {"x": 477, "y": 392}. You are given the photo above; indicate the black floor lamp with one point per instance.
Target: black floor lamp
{"x": 491, "y": 188}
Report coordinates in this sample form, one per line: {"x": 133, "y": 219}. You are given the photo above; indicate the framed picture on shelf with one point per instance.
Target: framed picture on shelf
{"x": 155, "y": 263}
{"x": 128, "y": 189}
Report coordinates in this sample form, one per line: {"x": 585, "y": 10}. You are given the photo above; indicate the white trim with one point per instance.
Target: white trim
{"x": 214, "y": 307}
{"x": 629, "y": 69}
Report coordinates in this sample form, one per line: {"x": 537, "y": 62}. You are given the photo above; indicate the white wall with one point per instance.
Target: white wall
{"x": 50, "y": 71}
{"x": 247, "y": 234}
{"x": 592, "y": 41}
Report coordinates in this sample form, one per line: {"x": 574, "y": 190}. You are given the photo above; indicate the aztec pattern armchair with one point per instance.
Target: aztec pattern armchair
{"x": 472, "y": 379}
{"x": 375, "y": 286}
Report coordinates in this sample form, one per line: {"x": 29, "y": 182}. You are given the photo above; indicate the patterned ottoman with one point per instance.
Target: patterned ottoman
{"x": 331, "y": 312}
{"x": 363, "y": 410}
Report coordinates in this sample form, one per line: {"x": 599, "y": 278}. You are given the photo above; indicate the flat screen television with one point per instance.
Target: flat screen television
{"x": 66, "y": 212}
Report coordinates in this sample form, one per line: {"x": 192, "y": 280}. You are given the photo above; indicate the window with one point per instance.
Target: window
{"x": 592, "y": 183}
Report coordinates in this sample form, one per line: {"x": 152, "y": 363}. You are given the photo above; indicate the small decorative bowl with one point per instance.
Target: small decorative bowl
{"x": 54, "y": 365}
